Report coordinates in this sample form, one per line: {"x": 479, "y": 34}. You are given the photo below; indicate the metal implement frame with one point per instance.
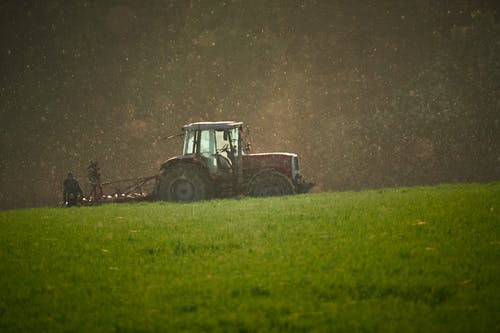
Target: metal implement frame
{"x": 125, "y": 190}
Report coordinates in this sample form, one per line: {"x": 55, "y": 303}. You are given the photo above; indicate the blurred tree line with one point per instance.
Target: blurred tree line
{"x": 370, "y": 94}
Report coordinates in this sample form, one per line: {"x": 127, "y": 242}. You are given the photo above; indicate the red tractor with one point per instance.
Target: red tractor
{"x": 214, "y": 164}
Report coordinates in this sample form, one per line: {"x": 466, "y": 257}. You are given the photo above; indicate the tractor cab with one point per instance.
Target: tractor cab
{"x": 218, "y": 143}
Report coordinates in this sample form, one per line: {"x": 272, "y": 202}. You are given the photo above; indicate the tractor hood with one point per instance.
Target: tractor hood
{"x": 286, "y": 163}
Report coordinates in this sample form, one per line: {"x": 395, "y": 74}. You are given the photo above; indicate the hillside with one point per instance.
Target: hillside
{"x": 370, "y": 94}
{"x": 421, "y": 259}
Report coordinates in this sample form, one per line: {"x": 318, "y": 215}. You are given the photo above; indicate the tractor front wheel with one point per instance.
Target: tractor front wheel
{"x": 270, "y": 183}
{"x": 183, "y": 182}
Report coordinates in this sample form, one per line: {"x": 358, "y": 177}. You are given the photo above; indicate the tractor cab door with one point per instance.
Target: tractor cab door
{"x": 202, "y": 142}
{"x": 225, "y": 150}
{"x": 207, "y": 149}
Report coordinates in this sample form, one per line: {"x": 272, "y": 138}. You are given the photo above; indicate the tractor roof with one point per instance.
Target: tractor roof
{"x": 218, "y": 125}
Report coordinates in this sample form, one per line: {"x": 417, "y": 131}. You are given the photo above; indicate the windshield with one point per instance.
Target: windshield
{"x": 227, "y": 142}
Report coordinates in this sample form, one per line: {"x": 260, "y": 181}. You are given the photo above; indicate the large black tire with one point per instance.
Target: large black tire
{"x": 183, "y": 182}
{"x": 270, "y": 183}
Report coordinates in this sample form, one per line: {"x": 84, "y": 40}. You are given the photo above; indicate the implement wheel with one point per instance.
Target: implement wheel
{"x": 270, "y": 183}
{"x": 183, "y": 182}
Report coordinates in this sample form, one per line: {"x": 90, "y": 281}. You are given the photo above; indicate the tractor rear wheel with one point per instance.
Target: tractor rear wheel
{"x": 270, "y": 183}
{"x": 183, "y": 182}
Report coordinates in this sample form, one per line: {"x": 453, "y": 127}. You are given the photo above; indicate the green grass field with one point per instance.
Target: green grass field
{"x": 423, "y": 259}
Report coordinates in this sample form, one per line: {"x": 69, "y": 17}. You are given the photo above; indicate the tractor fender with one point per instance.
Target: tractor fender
{"x": 190, "y": 159}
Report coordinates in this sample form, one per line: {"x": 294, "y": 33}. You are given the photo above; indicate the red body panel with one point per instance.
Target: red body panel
{"x": 281, "y": 162}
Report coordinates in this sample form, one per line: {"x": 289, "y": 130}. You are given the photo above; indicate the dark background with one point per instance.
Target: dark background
{"x": 370, "y": 94}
